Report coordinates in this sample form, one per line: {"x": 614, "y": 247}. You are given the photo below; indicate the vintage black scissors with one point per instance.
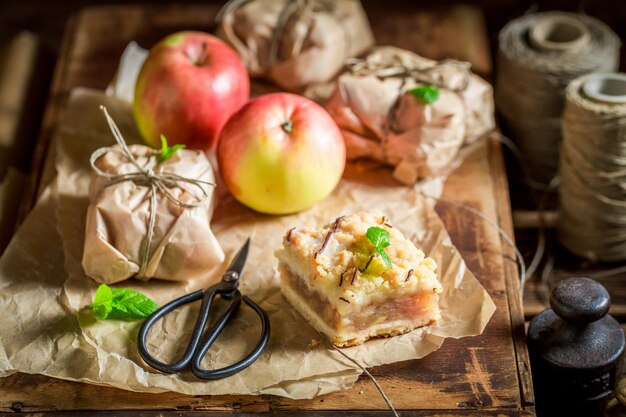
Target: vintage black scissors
{"x": 199, "y": 345}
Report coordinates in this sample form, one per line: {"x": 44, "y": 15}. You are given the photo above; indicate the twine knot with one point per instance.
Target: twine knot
{"x": 163, "y": 182}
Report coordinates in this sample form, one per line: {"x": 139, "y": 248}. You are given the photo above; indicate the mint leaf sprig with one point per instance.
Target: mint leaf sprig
{"x": 121, "y": 304}
{"x": 167, "y": 151}
{"x": 426, "y": 93}
{"x": 380, "y": 239}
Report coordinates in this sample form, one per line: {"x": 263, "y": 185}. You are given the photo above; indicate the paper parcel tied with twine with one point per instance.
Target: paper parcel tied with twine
{"x": 46, "y": 291}
{"x": 149, "y": 219}
{"x": 380, "y": 119}
{"x": 295, "y": 43}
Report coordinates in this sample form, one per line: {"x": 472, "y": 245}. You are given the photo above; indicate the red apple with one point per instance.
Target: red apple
{"x": 188, "y": 87}
{"x": 281, "y": 153}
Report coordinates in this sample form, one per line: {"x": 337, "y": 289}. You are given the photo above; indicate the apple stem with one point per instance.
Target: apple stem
{"x": 203, "y": 54}
{"x": 287, "y": 126}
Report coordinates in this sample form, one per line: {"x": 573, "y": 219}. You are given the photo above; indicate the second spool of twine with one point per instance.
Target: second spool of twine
{"x": 592, "y": 189}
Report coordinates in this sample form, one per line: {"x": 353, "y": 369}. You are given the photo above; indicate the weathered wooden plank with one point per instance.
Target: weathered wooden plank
{"x": 336, "y": 413}
{"x": 24, "y": 70}
{"x": 484, "y": 375}
{"x": 512, "y": 276}
{"x": 31, "y": 191}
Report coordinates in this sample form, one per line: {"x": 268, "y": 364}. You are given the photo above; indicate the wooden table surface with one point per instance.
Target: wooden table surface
{"x": 478, "y": 376}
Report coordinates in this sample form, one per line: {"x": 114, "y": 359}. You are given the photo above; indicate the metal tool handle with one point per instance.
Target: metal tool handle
{"x": 242, "y": 364}
{"x": 203, "y": 317}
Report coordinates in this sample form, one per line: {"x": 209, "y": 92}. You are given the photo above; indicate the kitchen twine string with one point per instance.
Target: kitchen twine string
{"x": 540, "y": 194}
{"x": 145, "y": 175}
{"x": 532, "y": 77}
{"x": 592, "y": 187}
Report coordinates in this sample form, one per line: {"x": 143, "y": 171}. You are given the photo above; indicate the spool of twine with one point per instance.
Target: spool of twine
{"x": 592, "y": 172}
{"x": 539, "y": 54}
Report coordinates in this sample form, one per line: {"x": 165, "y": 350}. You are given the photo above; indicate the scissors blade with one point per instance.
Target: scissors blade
{"x": 240, "y": 259}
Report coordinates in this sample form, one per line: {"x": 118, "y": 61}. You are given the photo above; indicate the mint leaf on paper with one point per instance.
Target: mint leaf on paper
{"x": 121, "y": 304}
{"x": 380, "y": 239}
{"x": 167, "y": 151}
{"x": 426, "y": 93}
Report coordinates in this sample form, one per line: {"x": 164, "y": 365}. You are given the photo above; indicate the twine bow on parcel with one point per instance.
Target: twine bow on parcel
{"x": 145, "y": 175}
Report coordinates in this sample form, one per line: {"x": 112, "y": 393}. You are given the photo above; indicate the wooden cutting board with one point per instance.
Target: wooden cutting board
{"x": 487, "y": 375}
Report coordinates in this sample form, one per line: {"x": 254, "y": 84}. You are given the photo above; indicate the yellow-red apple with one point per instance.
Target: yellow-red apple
{"x": 188, "y": 87}
{"x": 281, "y": 153}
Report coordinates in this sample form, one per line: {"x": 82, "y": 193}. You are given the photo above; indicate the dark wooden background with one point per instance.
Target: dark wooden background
{"x": 47, "y": 18}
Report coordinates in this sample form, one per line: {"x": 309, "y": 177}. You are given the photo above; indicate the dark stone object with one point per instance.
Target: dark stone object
{"x": 575, "y": 350}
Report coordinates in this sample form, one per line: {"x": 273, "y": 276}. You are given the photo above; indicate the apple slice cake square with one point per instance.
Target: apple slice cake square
{"x": 358, "y": 278}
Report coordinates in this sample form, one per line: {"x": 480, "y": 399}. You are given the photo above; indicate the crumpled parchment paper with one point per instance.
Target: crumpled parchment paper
{"x": 47, "y": 330}
{"x": 296, "y": 43}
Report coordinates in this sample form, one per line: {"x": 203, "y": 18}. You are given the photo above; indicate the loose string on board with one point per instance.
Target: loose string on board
{"x": 539, "y": 54}
{"x": 366, "y": 372}
{"x": 507, "y": 238}
{"x": 592, "y": 191}
{"x": 539, "y": 193}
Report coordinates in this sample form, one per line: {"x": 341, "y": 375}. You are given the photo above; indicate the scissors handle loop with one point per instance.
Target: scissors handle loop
{"x": 198, "y": 348}
{"x": 207, "y": 297}
{"x": 242, "y": 364}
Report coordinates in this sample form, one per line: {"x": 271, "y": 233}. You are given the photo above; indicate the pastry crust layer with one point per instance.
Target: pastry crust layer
{"x": 347, "y": 339}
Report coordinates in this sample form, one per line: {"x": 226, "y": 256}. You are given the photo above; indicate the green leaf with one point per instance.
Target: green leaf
{"x": 426, "y": 93}
{"x": 167, "y": 151}
{"x": 380, "y": 239}
{"x": 122, "y": 304}
{"x": 385, "y": 257}
{"x": 103, "y": 301}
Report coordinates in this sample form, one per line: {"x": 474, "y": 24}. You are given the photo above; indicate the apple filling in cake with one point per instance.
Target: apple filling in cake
{"x": 339, "y": 280}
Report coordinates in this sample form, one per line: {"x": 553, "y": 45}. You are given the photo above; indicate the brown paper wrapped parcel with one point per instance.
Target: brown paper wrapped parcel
{"x": 296, "y": 43}
{"x": 179, "y": 246}
{"x": 381, "y": 120}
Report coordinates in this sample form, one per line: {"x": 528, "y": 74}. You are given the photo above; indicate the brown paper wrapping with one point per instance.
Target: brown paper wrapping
{"x": 380, "y": 120}
{"x": 296, "y": 43}
{"x": 46, "y": 328}
{"x": 182, "y": 246}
